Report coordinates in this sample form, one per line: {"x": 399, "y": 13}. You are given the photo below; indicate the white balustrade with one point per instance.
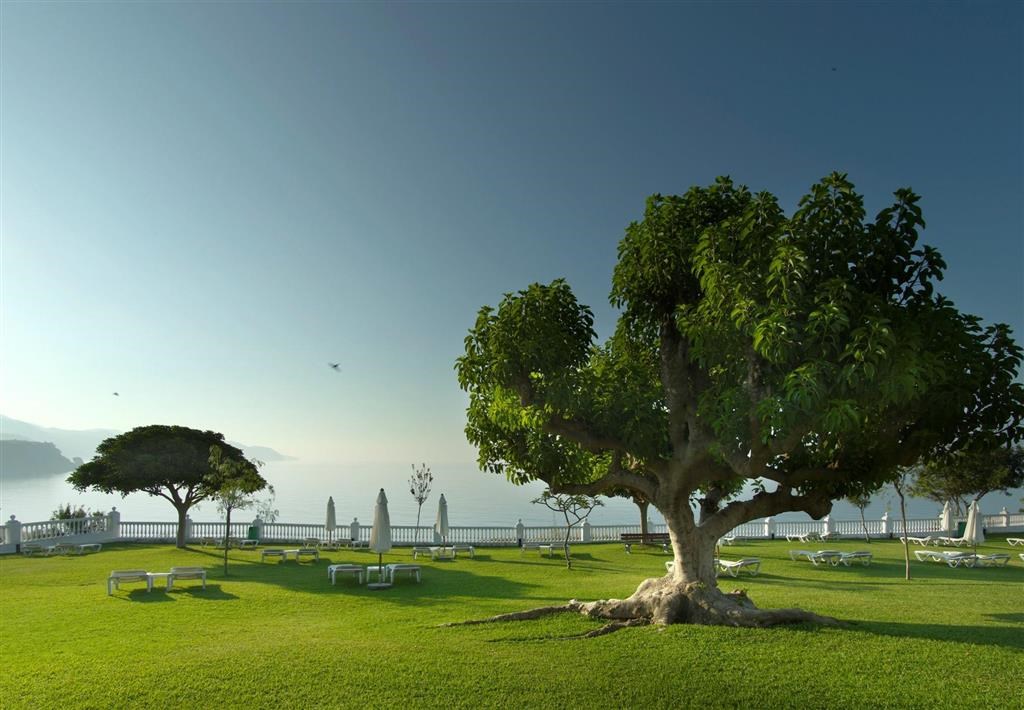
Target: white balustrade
{"x": 109, "y": 528}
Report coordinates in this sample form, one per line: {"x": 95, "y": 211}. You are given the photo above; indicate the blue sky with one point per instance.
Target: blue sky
{"x": 203, "y": 204}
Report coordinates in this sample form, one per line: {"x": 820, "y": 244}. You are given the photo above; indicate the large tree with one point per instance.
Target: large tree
{"x": 800, "y": 357}
{"x": 172, "y": 462}
{"x": 966, "y": 476}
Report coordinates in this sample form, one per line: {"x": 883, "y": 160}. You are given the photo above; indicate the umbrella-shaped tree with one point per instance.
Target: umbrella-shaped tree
{"x": 172, "y": 462}
{"x": 806, "y": 356}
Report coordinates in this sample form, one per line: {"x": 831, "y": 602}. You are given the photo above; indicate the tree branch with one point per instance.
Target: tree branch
{"x": 762, "y": 505}
{"x": 615, "y": 477}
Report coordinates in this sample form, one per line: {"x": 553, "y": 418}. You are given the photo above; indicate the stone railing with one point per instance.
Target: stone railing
{"x": 110, "y": 528}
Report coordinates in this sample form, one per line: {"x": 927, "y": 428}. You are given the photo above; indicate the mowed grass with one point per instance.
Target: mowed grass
{"x": 279, "y": 635}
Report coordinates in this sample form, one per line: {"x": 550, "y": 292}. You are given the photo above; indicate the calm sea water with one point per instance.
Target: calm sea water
{"x": 302, "y": 488}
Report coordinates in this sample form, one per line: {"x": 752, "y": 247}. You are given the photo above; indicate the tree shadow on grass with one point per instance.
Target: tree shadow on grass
{"x": 1012, "y": 617}
{"x": 213, "y": 592}
{"x": 1002, "y": 636}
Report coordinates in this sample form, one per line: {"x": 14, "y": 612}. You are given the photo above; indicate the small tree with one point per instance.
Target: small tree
{"x": 232, "y": 484}
{"x": 265, "y": 509}
{"x": 419, "y": 487}
{"x": 966, "y": 476}
{"x": 901, "y": 481}
{"x": 574, "y": 508}
{"x": 861, "y": 501}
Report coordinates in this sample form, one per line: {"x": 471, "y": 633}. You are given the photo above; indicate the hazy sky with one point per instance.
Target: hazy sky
{"x": 203, "y": 204}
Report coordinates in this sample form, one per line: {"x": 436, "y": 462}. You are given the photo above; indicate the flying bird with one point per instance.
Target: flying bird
{"x": 336, "y": 366}
{"x": 116, "y": 394}
{"x": 834, "y": 69}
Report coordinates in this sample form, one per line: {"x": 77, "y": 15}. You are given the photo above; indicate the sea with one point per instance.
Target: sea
{"x": 474, "y": 498}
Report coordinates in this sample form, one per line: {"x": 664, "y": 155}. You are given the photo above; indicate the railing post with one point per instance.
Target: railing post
{"x": 585, "y": 534}
{"x": 769, "y": 528}
{"x": 520, "y": 531}
{"x": 258, "y": 524}
{"x": 188, "y": 529}
{"x": 353, "y": 530}
{"x": 13, "y": 534}
{"x": 1006, "y": 517}
{"x": 114, "y": 523}
{"x": 826, "y": 526}
{"x": 886, "y": 532}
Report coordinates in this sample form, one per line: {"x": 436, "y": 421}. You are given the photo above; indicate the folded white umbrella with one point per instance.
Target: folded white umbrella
{"x": 974, "y": 533}
{"x": 441, "y": 524}
{"x": 946, "y": 520}
{"x": 380, "y": 533}
{"x": 332, "y": 523}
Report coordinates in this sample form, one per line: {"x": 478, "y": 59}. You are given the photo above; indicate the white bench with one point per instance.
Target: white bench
{"x": 411, "y": 570}
{"x": 280, "y": 554}
{"x": 552, "y": 547}
{"x": 186, "y": 573}
{"x": 334, "y": 570}
{"x": 128, "y": 575}
{"x": 456, "y": 549}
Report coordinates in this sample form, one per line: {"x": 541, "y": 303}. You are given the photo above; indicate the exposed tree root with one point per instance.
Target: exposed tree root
{"x": 665, "y": 601}
{"x": 613, "y": 627}
{"x": 519, "y": 615}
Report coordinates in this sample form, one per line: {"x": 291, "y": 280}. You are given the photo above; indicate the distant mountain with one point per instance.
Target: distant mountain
{"x": 83, "y": 443}
{"x": 27, "y": 459}
{"x": 70, "y": 442}
{"x": 262, "y": 453}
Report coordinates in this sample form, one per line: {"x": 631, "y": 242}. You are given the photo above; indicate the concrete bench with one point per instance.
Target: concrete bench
{"x": 186, "y": 573}
{"x": 411, "y": 570}
{"x": 334, "y": 570}
{"x": 128, "y": 575}
{"x": 456, "y": 549}
{"x": 279, "y": 554}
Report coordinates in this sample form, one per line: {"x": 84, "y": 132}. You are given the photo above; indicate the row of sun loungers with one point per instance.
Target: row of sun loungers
{"x": 832, "y": 557}
{"x": 34, "y": 549}
{"x": 963, "y": 559}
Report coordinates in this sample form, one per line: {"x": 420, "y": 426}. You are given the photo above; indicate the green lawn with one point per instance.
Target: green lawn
{"x": 279, "y": 635}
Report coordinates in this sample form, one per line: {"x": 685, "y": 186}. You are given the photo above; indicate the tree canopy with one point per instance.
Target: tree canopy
{"x": 966, "y": 476}
{"x": 172, "y": 462}
{"x": 806, "y": 356}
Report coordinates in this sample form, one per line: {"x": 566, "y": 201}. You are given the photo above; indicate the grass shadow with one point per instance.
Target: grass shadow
{"x": 213, "y": 592}
{"x": 1001, "y": 636}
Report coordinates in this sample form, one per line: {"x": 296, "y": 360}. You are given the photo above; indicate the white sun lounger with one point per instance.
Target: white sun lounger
{"x": 953, "y": 559}
{"x": 998, "y": 559}
{"x": 862, "y": 556}
{"x": 821, "y": 557}
{"x": 922, "y": 541}
{"x": 752, "y": 565}
{"x": 1015, "y": 541}
{"x": 954, "y": 541}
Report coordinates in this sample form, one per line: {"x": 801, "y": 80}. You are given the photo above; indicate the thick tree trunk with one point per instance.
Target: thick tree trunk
{"x": 182, "y": 515}
{"x": 689, "y": 593}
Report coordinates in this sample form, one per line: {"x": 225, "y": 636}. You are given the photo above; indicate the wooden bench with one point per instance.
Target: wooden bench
{"x": 629, "y": 539}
